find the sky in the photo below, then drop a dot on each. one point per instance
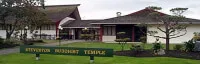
(103, 9)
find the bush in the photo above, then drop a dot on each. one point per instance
(123, 40)
(28, 42)
(8, 44)
(156, 47)
(178, 47)
(37, 41)
(1, 41)
(136, 49)
(189, 46)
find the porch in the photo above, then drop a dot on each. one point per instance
(109, 32)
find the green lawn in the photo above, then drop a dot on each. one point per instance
(50, 41)
(98, 45)
(65, 59)
(115, 46)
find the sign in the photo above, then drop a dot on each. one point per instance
(101, 52)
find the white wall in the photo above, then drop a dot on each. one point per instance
(3, 33)
(108, 38)
(190, 30)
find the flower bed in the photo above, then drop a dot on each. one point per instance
(149, 53)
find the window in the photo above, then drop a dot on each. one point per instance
(109, 31)
(48, 27)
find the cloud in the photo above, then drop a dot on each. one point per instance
(102, 9)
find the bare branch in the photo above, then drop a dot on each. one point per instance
(157, 36)
(160, 29)
(180, 35)
(178, 32)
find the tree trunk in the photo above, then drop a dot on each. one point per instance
(8, 36)
(167, 44)
(167, 36)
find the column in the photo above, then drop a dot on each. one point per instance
(133, 33)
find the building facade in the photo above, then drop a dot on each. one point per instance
(57, 14)
(107, 29)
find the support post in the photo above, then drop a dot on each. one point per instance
(37, 56)
(91, 59)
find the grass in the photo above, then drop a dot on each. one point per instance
(98, 45)
(61, 59)
(20, 58)
(114, 46)
(45, 42)
(50, 41)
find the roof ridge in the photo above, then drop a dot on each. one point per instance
(143, 10)
(63, 5)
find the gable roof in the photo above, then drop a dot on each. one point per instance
(59, 12)
(139, 17)
(56, 12)
(80, 24)
(133, 18)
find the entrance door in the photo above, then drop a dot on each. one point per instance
(139, 33)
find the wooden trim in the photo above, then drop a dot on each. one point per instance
(80, 27)
(100, 33)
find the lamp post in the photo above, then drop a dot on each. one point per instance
(60, 29)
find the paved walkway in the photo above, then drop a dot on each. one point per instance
(16, 49)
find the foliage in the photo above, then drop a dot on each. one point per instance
(157, 46)
(8, 43)
(136, 49)
(36, 41)
(87, 36)
(21, 13)
(16, 34)
(60, 59)
(178, 47)
(189, 46)
(172, 28)
(196, 36)
(122, 39)
(1, 41)
(143, 40)
(34, 35)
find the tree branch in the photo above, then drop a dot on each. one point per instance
(179, 35)
(156, 36)
(175, 34)
(161, 29)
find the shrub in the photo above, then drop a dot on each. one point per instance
(87, 36)
(9, 43)
(196, 36)
(1, 41)
(136, 49)
(189, 46)
(37, 40)
(28, 42)
(156, 47)
(178, 47)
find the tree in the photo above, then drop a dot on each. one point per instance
(16, 14)
(122, 39)
(173, 26)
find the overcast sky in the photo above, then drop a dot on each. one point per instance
(102, 9)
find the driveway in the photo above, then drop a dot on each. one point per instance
(16, 49)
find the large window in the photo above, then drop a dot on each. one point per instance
(48, 27)
(109, 31)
